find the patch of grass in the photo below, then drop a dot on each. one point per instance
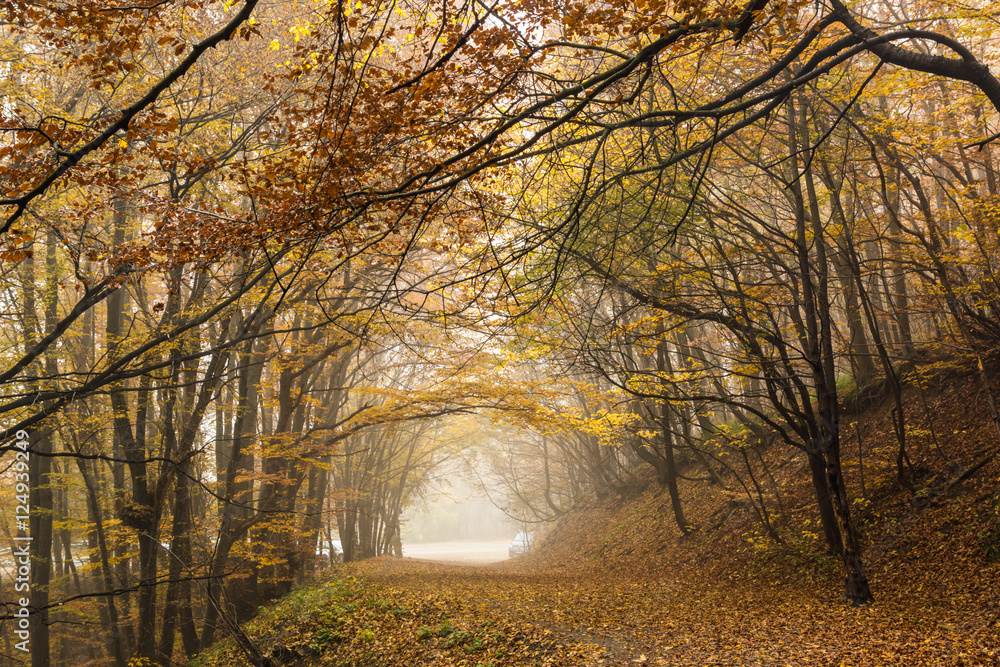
(847, 389)
(317, 617)
(445, 628)
(475, 645)
(323, 637)
(452, 637)
(457, 638)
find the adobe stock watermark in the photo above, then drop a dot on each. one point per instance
(22, 547)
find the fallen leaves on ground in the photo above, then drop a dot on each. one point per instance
(615, 584)
(406, 612)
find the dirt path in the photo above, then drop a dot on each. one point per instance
(610, 619)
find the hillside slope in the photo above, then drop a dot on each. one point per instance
(615, 583)
(942, 543)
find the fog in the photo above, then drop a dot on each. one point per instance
(458, 523)
(454, 511)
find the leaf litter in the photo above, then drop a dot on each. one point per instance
(616, 584)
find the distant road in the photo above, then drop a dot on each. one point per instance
(459, 552)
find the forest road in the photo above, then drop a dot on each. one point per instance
(461, 551)
(589, 616)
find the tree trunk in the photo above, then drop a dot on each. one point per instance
(670, 467)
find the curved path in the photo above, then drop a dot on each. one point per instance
(594, 617)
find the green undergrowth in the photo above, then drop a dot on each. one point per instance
(339, 621)
(350, 622)
(305, 623)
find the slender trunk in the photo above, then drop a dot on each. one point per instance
(41, 546)
(670, 467)
(900, 296)
(178, 558)
(815, 276)
(117, 643)
(238, 515)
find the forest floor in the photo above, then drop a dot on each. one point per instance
(615, 583)
(391, 611)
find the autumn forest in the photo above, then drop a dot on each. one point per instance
(267, 265)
